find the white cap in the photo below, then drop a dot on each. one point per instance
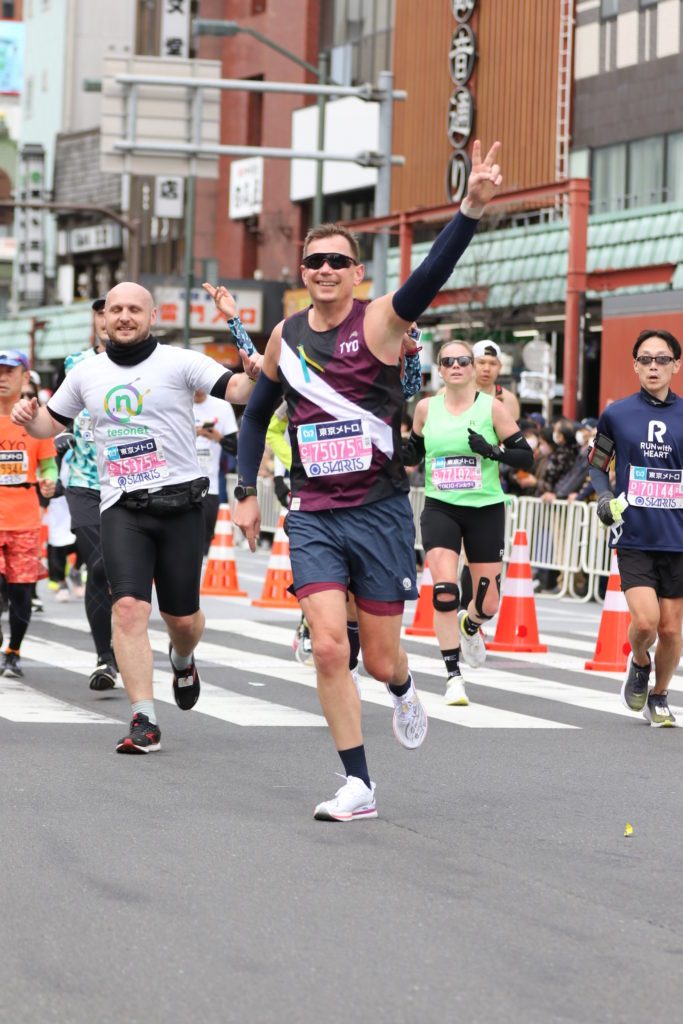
(486, 348)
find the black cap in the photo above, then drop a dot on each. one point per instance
(98, 304)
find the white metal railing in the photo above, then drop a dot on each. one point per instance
(564, 536)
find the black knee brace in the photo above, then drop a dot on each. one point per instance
(482, 590)
(452, 602)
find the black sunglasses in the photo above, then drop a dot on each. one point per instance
(659, 360)
(334, 260)
(28, 394)
(452, 360)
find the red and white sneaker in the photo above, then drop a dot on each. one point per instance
(143, 738)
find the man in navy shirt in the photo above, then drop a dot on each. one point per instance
(644, 433)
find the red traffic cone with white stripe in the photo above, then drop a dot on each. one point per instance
(517, 628)
(612, 648)
(220, 575)
(275, 593)
(423, 623)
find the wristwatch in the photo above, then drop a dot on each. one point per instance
(241, 492)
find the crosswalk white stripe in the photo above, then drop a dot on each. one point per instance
(215, 701)
(488, 677)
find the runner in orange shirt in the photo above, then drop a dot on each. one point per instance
(23, 460)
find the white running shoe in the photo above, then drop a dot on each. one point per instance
(410, 720)
(456, 695)
(353, 800)
(63, 595)
(356, 682)
(472, 647)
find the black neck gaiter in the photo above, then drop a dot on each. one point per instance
(129, 355)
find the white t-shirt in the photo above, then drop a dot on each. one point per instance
(220, 415)
(141, 416)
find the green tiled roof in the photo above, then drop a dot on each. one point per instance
(527, 265)
(68, 329)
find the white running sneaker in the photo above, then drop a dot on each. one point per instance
(410, 720)
(356, 682)
(62, 594)
(352, 800)
(472, 647)
(456, 695)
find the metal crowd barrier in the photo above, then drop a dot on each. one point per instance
(564, 537)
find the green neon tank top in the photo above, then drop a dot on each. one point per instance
(453, 473)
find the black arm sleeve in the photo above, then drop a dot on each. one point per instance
(218, 390)
(413, 297)
(264, 399)
(413, 450)
(229, 443)
(600, 479)
(516, 452)
(66, 420)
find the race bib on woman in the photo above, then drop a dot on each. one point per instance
(457, 473)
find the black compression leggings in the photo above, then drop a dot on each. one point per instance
(19, 595)
(97, 595)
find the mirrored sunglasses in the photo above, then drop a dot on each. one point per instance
(659, 360)
(334, 260)
(449, 361)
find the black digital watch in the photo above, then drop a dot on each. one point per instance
(241, 492)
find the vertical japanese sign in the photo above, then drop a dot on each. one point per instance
(169, 197)
(462, 58)
(175, 28)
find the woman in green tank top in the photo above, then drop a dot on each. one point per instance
(460, 432)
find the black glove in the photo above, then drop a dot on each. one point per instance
(480, 446)
(64, 442)
(282, 492)
(603, 508)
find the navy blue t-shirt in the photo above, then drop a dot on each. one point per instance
(648, 440)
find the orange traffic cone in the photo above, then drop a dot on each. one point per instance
(278, 574)
(612, 648)
(517, 628)
(220, 575)
(423, 623)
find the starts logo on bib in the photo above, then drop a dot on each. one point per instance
(123, 402)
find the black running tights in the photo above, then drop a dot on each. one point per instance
(97, 595)
(19, 597)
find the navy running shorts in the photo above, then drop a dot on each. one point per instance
(368, 548)
(481, 530)
(661, 570)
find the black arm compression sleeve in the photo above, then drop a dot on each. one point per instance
(218, 390)
(517, 452)
(413, 450)
(599, 478)
(413, 297)
(264, 399)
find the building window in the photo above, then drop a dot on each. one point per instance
(674, 168)
(358, 36)
(648, 3)
(8, 9)
(646, 171)
(609, 8)
(609, 178)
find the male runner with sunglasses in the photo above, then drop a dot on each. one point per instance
(350, 524)
(644, 434)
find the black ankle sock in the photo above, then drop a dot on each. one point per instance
(469, 627)
(645, 668)
(354, 643)
(355, 764)
(399, 691)
(452, 661)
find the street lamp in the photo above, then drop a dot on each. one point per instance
(227, 29)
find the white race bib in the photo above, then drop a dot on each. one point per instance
(13, 467)
(334, 447)
(135, 463)
(457, 473)
(655, 488)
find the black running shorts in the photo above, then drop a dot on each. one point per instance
(661, 570)
(481, 530)
(140, 548)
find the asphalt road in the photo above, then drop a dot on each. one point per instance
(495, 886)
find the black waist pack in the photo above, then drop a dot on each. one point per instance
(167, 501)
